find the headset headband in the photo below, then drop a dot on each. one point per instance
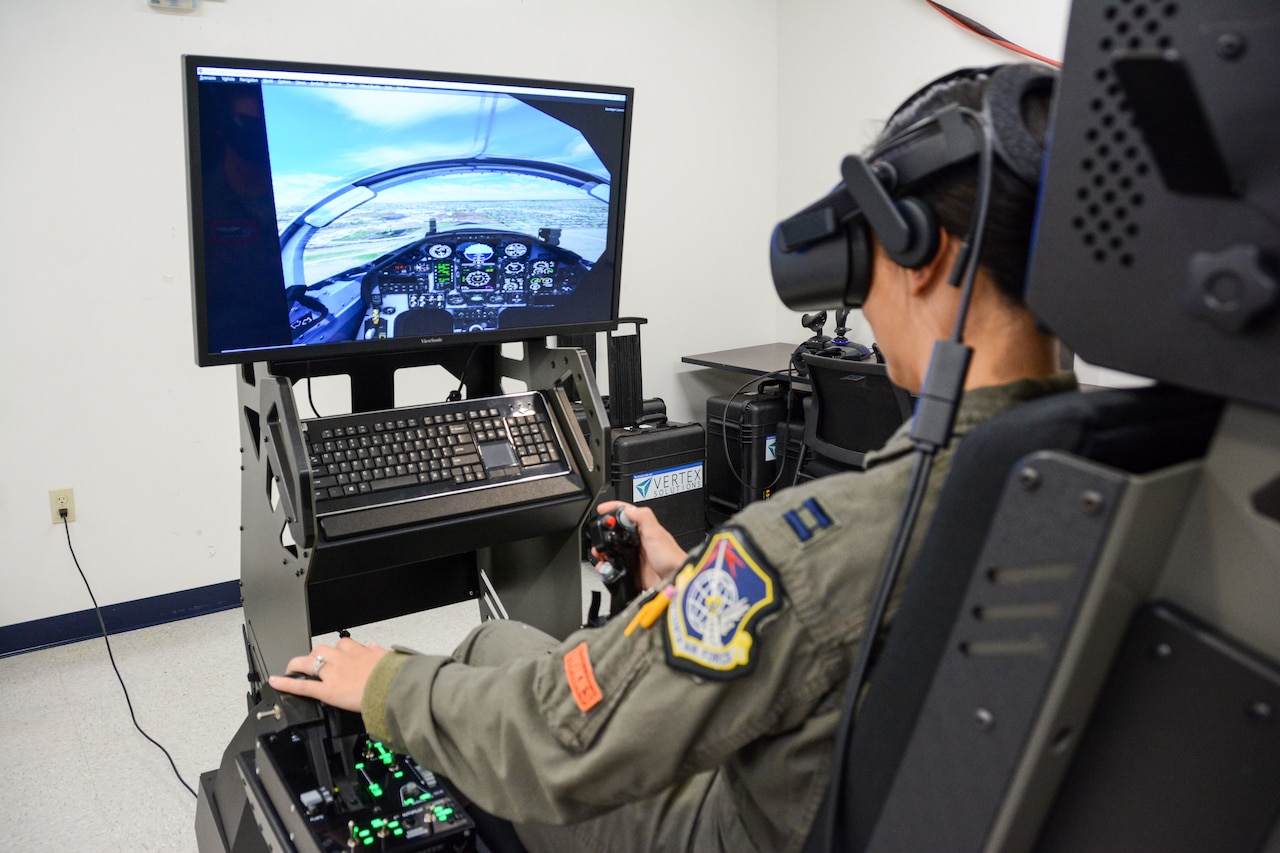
(822, 255)
(946, 138)
(929, 146)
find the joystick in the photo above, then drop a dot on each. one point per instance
(842, 327)
(817, 343)
(841, 346)
(814, 323)
(614, 537)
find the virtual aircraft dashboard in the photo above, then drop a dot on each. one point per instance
(458, 281)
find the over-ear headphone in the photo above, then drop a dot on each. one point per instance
(821, 256)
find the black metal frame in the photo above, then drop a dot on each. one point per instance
(970, 741)
(298, 582)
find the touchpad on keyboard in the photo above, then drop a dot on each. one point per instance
(497, 454)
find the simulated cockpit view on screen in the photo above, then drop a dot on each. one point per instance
(349, 207)
(437, 229)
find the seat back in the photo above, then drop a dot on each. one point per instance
(1136, 430)
(853, 409)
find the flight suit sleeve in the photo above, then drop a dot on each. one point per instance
(601, 720)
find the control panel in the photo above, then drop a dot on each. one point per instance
(338, 793)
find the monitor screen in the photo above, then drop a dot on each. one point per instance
(337, 211)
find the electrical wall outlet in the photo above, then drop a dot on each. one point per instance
(60, 499)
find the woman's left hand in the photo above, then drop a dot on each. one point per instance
(337, 673)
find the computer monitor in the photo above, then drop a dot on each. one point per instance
(338, 211)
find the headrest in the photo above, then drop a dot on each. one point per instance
(1158, 245)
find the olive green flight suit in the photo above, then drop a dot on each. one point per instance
(724, 746)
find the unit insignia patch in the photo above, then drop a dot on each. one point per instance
(719, 601)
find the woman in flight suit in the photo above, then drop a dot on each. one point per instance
(703, 717)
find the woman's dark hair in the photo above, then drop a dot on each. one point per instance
(951, 192)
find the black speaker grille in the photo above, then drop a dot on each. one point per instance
(1117, 165)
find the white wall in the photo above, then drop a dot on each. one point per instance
(101, 393)
(743, 111)
(844, 65)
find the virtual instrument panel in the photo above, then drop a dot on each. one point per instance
(458, 281)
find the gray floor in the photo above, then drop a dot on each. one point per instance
(80, 776)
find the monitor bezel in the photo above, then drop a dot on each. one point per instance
(346, 351)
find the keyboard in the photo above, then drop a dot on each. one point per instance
(432, 453)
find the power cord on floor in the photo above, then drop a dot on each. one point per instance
(103, 625)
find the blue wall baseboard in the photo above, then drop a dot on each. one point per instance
(126, 616)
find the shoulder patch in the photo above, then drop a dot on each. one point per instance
(719, 601)
(808, 520)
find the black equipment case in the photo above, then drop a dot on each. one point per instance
(661, 467)
(750, 451)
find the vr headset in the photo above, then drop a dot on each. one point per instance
(821, 256)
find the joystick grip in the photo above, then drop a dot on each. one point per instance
(616, 540)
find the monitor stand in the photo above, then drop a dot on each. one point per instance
(523, 563)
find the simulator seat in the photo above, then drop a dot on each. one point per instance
(1010, 619)
(1085, 654)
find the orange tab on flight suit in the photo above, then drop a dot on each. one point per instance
(582, 679)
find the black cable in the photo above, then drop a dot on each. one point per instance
(924, 451)
(310, 402)
(779, 459)
(456, 394)
(964, 273)
(972, 246)
(103, 625)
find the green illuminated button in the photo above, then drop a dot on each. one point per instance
(375, 789)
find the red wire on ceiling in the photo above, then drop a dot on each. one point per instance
(973, 26)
